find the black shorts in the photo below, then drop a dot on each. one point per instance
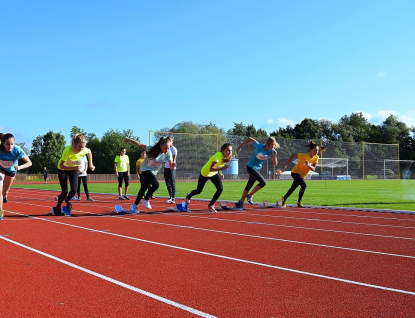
(8, 173)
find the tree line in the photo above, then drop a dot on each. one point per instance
(47, 149)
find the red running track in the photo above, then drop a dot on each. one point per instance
(255, 263)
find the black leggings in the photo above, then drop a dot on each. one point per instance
(84, 180)
(298, 181)
(170, 179)
(254, 175)
(63, 176)
(123, 176)
(148, 182)
(216, 180)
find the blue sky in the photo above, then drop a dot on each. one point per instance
(148, 65)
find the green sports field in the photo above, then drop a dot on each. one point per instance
(370, 194)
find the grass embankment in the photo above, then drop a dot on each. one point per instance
(371, 194)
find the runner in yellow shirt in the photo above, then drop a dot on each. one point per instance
(68, 167)
(122, 171)
(212, 171)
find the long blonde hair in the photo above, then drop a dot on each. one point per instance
(78, 138)
(270, 140)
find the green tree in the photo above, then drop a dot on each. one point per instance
(105, 150)
(354, 128)
(46, 152)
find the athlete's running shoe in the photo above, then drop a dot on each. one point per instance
(5, 200)
(187, 199)
(146, 204)
(120, 198)
(126, 197)
(1, 214)
(69, 206)
(89, 199)
(134, 208)
(57, 211)
(212, 208)
(250, 198)
(239, 205)
(300, 204)
(284, 202)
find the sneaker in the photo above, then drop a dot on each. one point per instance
(134, 208)
(249, 199)
(152, 197)
(126, 197)
(89, 199)
(212, 208)
(75, 198)
(173, 200)
(69, 207)
(1, 214)
(120, 198)
(57, 211)
(187, 199)
(79, 198)
(146, 204)
(168, 201)
(284, 202)
(300, 204)
(5, 200)
(239, 205)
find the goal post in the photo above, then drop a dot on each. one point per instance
(398, 169)
(338, 167)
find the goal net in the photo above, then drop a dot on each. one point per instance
(398, 169)
(330, 168)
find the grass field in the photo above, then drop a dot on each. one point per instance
(371, 194)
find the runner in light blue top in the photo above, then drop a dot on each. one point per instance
(156, 156)
(261, 154)
(9, 165)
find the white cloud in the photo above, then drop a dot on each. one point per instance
(380, 75)
(378, 118)
(273, 124)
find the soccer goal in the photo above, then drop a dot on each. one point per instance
(398, 169)
(330, 168)
(334, 168)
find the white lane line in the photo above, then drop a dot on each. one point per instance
(114, 281)
(303, 211)
(298, 227)
(275, 239)
(262, 223)
(238, 259)
(250, 235)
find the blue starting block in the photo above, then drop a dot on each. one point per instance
(118, 209)
(65, 211)
(182, 207)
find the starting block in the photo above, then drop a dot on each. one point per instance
(64, 211)
(118, 209)
(224, 207)
(180, 207)
(266, 205)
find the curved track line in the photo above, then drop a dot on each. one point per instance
(114, 281)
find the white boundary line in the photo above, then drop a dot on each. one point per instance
(235, 259)
(114, 281)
